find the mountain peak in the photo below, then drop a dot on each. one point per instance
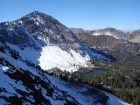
(34, 16)
(36, 13)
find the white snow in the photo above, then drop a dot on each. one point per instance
(30, 98)
(37, 87)
(9, 84)
(3, 102)
(6, 23)
(37, 23)
(52, 101)
(109, 34)
(53, 56)
(5, 68)
(20, 22)
(106, 33)
(96, 34)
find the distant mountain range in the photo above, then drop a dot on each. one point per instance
(124, 46)
(133, 36)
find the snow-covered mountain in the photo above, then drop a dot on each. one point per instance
(40, 38)
(38, 42)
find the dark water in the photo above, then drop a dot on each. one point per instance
(90, 73)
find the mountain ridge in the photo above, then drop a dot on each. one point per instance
(132, 36)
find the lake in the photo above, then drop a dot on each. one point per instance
(89, 73)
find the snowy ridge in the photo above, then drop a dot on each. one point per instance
(106, 33)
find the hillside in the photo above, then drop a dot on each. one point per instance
(23, 83)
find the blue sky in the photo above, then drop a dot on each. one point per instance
(86, 14)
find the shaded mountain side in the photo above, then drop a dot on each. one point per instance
(127, 54)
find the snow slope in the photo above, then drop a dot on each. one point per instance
(84, 99)
(32, 81)
(106, 33)
(9, 88)
(52, 56)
